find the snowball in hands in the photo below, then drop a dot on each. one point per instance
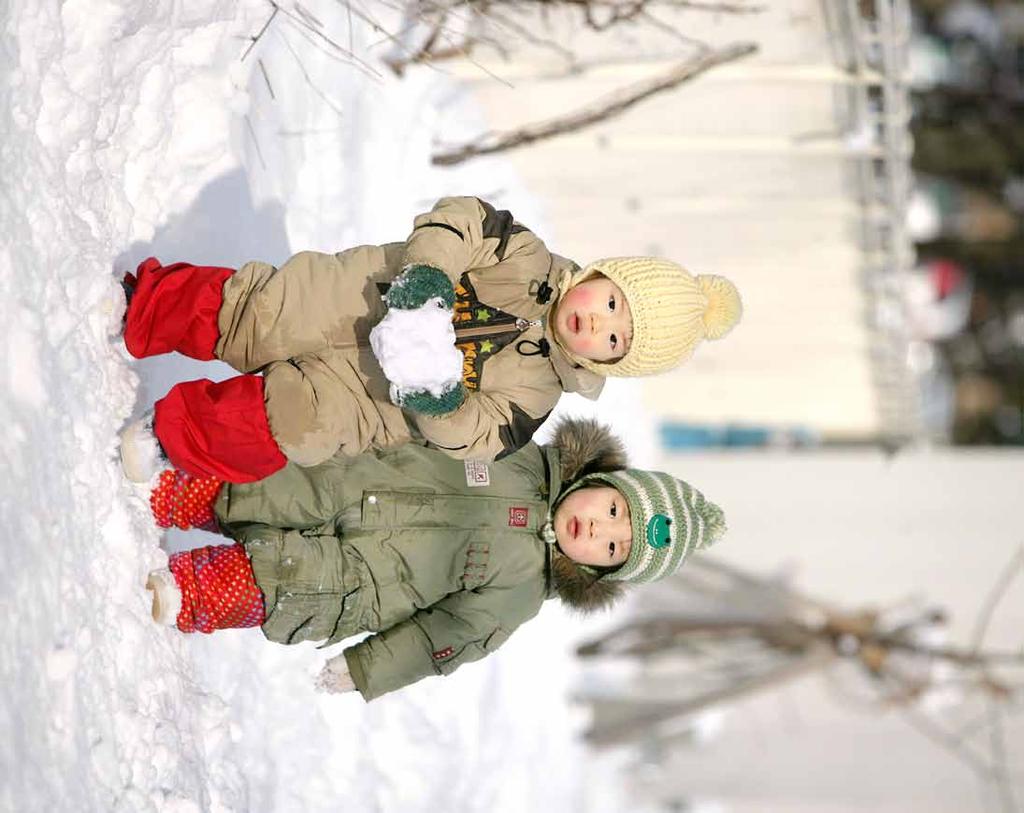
(416, 350)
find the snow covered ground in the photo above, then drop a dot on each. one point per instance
(132, 129)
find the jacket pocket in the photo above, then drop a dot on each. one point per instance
(297, 617)
(448, 660)
(496, 639)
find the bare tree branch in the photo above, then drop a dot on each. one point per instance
(530, 37)
(1000, 773)
(261, 32)
(266, 78)
(602, 110)
(1012, 570)
(305, 75)
(673, 32)
(315, 35)
(623, 8)
(946, 740)
(462, 50)
(811, 661)
(255, 141)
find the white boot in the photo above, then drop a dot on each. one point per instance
(141, 455)
(166, 596)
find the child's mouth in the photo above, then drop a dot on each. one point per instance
(574, 527)
(574, 323)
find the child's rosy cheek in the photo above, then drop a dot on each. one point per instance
(586, 299)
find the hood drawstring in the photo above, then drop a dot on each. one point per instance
(547, 532)
(538, 348)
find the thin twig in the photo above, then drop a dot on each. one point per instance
(686, 5)
(351, 33)
(266, 78)
(340, 51)
(457, 49)
(444, 11)
(255, 141)
(947, 740)
(337, 53)
(256, 39)
(718, 8)
(995, 595)
(672, 31)
(1000, 774)
(307, 77)
(532, 38)
(307, 15)
(376, 26)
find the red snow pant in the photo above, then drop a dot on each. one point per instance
(207, 429)
(218, 590)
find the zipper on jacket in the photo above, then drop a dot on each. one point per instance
(519, 325)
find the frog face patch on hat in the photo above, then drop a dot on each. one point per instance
(659, 533)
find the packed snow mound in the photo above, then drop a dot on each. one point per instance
(133, 130)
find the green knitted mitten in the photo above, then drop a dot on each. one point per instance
(417, 284)
(423, 402)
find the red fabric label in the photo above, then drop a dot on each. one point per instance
(518, 517)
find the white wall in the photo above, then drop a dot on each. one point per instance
(739, 173)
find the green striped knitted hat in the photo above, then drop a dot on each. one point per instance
(670, 519)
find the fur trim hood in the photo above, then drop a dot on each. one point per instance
(585, 447)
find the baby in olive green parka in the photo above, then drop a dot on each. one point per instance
(442, 560)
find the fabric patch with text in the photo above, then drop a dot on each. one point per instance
(518, 517)
(477, 474)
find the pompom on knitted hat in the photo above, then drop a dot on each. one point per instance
(672, 311)
(670, 520)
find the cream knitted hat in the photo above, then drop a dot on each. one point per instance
(672, 312)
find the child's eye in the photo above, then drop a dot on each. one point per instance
(611, 549)
(611, 303)
(614, 341)
(615, 510)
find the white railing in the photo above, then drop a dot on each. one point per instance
(872, 44)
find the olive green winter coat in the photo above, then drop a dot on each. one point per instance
(441, 559)
(306, 326)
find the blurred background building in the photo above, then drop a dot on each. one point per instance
(861, 175)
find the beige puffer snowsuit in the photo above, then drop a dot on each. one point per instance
(306, 326)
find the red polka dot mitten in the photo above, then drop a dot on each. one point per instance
(182, 501)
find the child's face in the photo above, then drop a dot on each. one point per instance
(593, 320)
(592, 526)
